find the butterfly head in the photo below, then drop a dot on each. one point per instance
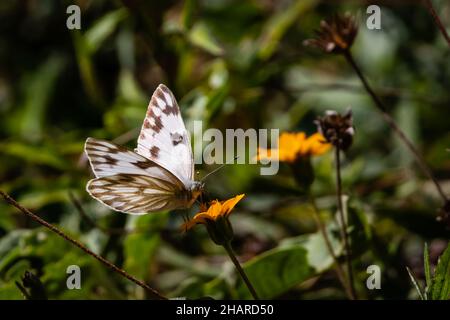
(197, 188)
(194, 191)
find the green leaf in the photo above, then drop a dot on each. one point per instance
(319, 257)
(40, 198)
(34, 154)
(139, 250)
(141, 246)
(9, 247)
(7, 221)
(86, 68)
(415, 283)
(440, 287)
(87, 44)
(426, 263)
(276, 271)
(170, 256)
(201, 36)
(10, 291)
(103, 28)
(128, 88)
(38, 90)
(278, 25)
(187, 14)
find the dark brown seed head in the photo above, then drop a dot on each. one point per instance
(337, 129)
(335, 35)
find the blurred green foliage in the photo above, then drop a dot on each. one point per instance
(232, 64)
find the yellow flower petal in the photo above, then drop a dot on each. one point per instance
(202, 217)
(228, 205)
(292, 146)
(214, 211)
(317, 145)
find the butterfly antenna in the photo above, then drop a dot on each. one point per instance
(217, 169)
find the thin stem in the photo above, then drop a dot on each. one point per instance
(344, 233)
(155, 294)
(437, 20)
(391, 122)
(340, 273)
(241, 271)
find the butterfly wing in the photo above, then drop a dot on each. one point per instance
(164, 138)
(135, 194)
(128, 182)
(107, 159)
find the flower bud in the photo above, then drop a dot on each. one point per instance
(220, 230)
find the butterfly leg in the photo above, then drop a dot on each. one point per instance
(186, 217)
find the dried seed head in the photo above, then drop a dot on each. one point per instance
(335, 35)
(337, 129)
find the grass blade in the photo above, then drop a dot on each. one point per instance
(426, 263)
(415, 283)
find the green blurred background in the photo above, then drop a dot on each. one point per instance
(231, 64)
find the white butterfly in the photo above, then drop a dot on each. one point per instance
(158, 175)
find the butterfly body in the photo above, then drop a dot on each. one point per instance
(190, 194)
(158, 175)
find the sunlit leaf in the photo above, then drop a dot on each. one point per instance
(276, 271)
(318, 255)
(440, 288)
(278, 24)
(103, 28)
(200, 35)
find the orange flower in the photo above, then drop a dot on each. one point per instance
(292, 146)
(215, 218)
(216, 210)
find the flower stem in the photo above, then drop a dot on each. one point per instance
(241, 271)
(155, 294)
(437, 20)
(344, 233)
(391, 122)
(340, 273)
